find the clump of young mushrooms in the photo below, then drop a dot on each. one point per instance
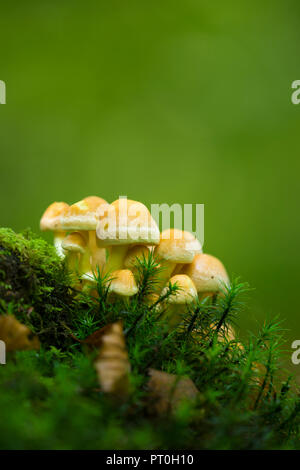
(97, 237)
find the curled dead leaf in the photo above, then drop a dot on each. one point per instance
(112, 364)
(15, 335)
(94, 341)
(168, 391)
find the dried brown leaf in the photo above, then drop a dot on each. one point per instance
(95, 339)
(168, 391)
(112, 364)
(15, 335)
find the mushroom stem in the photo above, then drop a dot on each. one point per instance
(58, 238)
(178, 269)
(92, 240)
(113, 298)
(85, 261)
(116, 258)
(72, 259)
(174, 314)
(168, 268)
(98, 254)
(134, 256)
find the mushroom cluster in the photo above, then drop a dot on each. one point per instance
(94, 235)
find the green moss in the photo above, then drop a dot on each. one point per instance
(55, 390)
(35, 286)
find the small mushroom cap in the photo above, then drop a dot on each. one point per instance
(52, 216)
(74, 242)
(126, 222)
(230, 333)
(177, 246)
(186, 293)
(227, 333)
(89, 276)
(134, 253)
(83, 215)
(207, 273)
(123, 283)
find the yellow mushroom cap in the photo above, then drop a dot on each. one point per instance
(123, 283)
(83, 215)
(74, 242)
(186, 293)
(177, 246)
(139, 251)
(207, 273)
(52, 216)
(126, 222)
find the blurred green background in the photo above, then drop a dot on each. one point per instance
(164, 101)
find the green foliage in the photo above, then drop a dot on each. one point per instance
(148, 270)
(35, 286)
(50, 399)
